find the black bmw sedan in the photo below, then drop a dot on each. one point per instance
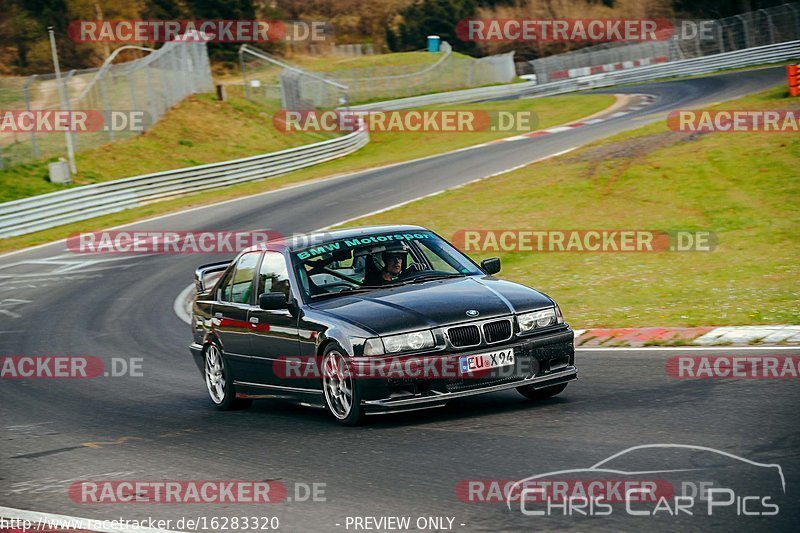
(372, 320)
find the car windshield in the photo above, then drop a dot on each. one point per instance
(370, 262)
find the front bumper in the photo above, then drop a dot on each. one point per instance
(439, 399)
(543, 361)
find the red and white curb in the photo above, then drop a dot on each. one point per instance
(750, 334)
(644, 100)
(784, 335)
(581, 72)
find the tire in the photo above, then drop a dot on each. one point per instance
(342, 396)
(540, 394)
(219, 380)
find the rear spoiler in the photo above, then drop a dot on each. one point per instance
(206, 275)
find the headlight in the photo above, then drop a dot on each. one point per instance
(373, 347)
(538, 319)
(559, 316)
(417, 340)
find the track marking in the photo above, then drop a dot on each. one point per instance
(182, 304)
(559, 129)
(256, 195)
(689, 348)
(100, 444)
(12, 302)
(400, 204)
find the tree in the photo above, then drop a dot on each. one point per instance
(433, 17)
(222, 10)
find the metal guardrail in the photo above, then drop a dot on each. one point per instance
(80, 203)
(688, 67)
(48, 210)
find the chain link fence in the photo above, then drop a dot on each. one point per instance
(151, 84)
(267, 78)
(748, 30)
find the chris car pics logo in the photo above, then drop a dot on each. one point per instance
(702, 481)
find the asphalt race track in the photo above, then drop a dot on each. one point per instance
(162, 425)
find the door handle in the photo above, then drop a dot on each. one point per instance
(254, 320)
(217, 315)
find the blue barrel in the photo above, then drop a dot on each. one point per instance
(434, 41)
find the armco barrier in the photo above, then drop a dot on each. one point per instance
(701, 65)
(49, 210)
(54, 209)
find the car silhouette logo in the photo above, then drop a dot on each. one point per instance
(608, 467)
(473, 312)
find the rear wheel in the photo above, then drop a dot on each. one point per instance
(540, 394)
(342, 397)
(219, 380)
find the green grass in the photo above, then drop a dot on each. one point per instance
(742, 186)
(330, 64)
(197, 131)
(383, 149)
(373, 78)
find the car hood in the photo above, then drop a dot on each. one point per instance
(432, 303)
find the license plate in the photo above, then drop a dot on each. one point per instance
(485, 361)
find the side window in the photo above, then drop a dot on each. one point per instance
(224, 287)
(273, 276)
(241, 287)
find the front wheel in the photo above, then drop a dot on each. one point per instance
(219, 380)
(540, 394)
(342, 397)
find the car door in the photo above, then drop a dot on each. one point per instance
(274, 337)
(233, 301)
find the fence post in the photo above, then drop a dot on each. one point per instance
(243, 68)
(69, 106)
(189, 66)
(60, 87)
(132, 89)
(165, 88)
(771, 26)
(106, 110)
(745, 31)
(26, 89)
(151, 97)
(796, 20)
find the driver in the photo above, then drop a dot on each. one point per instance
(392, 265)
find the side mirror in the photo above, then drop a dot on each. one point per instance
(271, 301)
(491, 265)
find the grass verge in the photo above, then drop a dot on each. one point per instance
(199, 130)
(741, 186)
(383, 149)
